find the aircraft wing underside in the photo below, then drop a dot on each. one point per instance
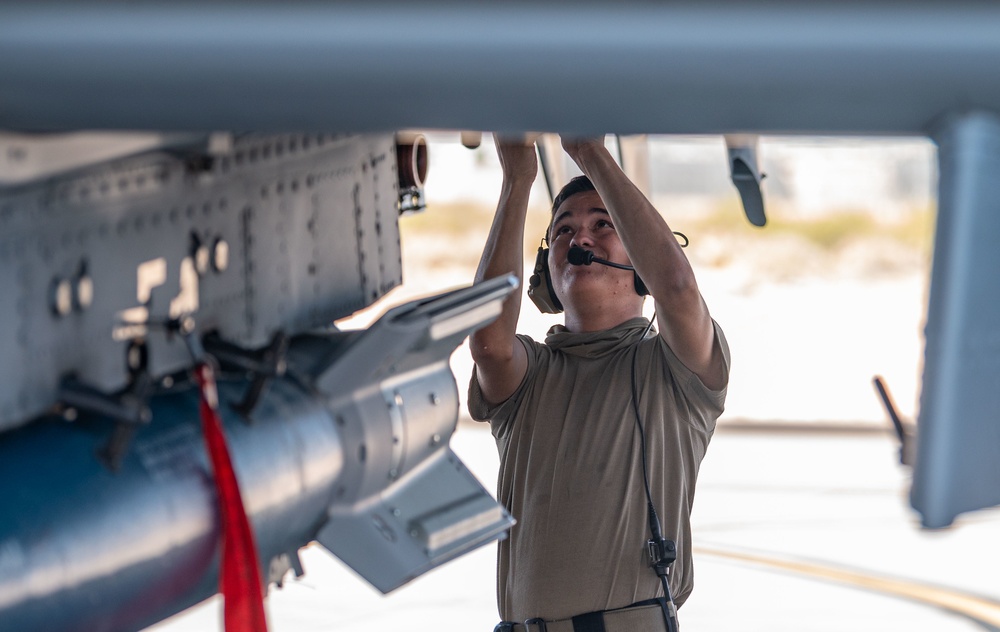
(774, 67)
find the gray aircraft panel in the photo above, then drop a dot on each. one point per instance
(307, 223)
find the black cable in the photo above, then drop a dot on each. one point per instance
(638, 422)
(669, 612)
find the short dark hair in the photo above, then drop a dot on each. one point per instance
(579, 184)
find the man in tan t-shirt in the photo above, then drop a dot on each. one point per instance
(576, 470)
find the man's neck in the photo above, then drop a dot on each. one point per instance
(599, 318)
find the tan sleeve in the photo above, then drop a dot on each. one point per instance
(691, 385)
(482, 410)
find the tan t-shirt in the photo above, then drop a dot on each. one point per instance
(571, 470)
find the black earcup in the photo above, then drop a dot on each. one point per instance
(640, 287)
(540, 285)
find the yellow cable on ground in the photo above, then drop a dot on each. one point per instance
(980, 609)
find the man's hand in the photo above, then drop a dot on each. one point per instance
(517, 156)
(578, 145)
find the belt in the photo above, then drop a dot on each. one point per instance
(644, 615)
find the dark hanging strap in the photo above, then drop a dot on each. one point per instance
(590, 622)
(240, 580)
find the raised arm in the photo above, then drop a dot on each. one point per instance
(500, 359)
(683, 316)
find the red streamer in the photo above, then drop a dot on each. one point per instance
(240, 579)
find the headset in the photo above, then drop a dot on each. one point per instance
(540, 282)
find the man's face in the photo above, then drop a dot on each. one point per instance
(582, 220)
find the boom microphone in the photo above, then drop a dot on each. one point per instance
(579, 257)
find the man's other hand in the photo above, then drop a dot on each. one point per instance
(517, 156)
(574, 146)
